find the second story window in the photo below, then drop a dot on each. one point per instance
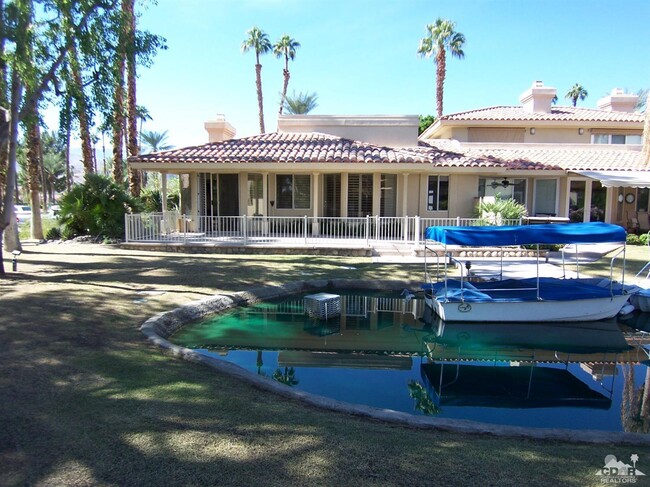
(615, 139)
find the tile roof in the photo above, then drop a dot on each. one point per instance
(315, 148)
(558, 113)
(565, 157)
(309, 147)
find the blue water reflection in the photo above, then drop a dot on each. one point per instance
(390, 352)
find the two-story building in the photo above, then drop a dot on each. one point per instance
(571, 162)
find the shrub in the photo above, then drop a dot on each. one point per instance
(151, 200)
(633, 239)
(495, 212)
(96, 207)
(643, 239)
(53, 233)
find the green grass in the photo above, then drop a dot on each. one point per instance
(24, 229)
(86, 400)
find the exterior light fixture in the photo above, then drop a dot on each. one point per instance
(581, 131)
(14, 261)
(532, 131)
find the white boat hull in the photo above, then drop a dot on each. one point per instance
(528, 311)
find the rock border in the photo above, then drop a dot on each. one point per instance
(159, 327)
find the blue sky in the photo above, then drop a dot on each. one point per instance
(360, 56)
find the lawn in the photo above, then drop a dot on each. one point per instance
(86, 400)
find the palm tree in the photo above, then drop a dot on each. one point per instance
(286, 47)
(259, 42)
(135, 177)
(441, 37)
(301, 103)
(155, 141)
(576, 92)
(646, 135)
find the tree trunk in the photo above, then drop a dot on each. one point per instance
(646, 134)
(82, 112)
(441, 68)
(33, 169)
(260, 100)
(135, 178)
(287, 75)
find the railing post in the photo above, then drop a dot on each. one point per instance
(184, 222)
(406, 229)
(376, 228)
(416, 236)
(244, 229)
(126, 227)
(367, 230)
(304, 230)
(458, 221)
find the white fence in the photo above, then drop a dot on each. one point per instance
(243, 230)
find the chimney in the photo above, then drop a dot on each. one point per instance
(219, 130)
(618, 101)
(538, 98)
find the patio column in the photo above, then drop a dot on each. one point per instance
(344, 195)
(315, 200)
(405, 190)
(163, 191)
(587, 213)
(376, 194)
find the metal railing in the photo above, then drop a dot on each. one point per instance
(172, 227)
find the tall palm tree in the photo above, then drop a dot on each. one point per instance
(576, 92)
(135, 177)
(259, 42)
(155, 141)
(301, 103)
(646, 134)
(286, 47)
(441, 37)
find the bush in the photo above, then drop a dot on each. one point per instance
(632, 239)
(96, 207)
(151, 200)
(53, 233)
(643, 238)
(495, 212)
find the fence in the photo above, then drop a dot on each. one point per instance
(244, 230)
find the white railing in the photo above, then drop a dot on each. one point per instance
(245, 230)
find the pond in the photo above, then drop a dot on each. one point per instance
(388, 351)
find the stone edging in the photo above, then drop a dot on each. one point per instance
(159, 327)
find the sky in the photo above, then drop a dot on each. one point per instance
(360, 56)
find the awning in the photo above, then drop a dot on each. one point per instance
(619, 179)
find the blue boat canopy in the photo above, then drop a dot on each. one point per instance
(497, 236)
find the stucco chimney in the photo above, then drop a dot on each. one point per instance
(618, 101)
(219, 130)
(538, 98)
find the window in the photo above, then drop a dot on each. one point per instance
(515, 189)
(293, 191)
(545, 197)
(438, 193)
(359, 195)
(255, 194)
(388, 195)
(615, 139)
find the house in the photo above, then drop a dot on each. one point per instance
(597, 151)
(558, 161)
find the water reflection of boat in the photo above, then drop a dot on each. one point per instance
(520, 365)
(510, 387)
(578, 337)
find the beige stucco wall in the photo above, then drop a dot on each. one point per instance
(383, 130)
